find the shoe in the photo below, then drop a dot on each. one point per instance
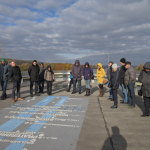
(37, 94)
(86, 92)
(101, 93)
(114, 107)
(20, 99)
(13, 100)
(144, 115)
(111, 99)
(31, 95)
(123, 102)
(2, 98)
(68, 90)
(79, 92)
(42, 92)
(73, 92)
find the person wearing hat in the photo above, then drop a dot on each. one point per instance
(41, 77)
(33, 72)
(144, 78)
(122, 84)
(4, 76)
(115, 84)
(129, 80)
(109, 71)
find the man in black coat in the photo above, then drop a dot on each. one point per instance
(41, 78)
(33, 72)
(15, 76)
(122, 84)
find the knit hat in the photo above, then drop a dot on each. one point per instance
(3, 59)
(42, 63)
(111, 62)
(123, 60)
(114, 66)
(34, 61)
(128, 63)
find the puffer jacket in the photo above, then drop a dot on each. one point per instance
(33, 72)
(4, 71)
(41, 73)
(109, 71)
(15, 74)
(115, 79)
(49, 75)
(122, 74)
(130, 76)
(144, 78)
(87, 71)
(100, 73)
(77, 71)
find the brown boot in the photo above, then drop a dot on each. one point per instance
(86, 92)
(20, 99)
(13, 101)
(101, 93)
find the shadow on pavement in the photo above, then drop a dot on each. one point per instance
(117, 141)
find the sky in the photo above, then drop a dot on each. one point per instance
(66, 30)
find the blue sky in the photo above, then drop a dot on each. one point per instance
(63, 31)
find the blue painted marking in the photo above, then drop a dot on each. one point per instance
(35, 127)
(61, 102)
(49, 112)
(45, 101)
(15, 146)
(1, 137)
(22, 139)
(24, 115)
(11, 125)
(40, 122)
(30, 110)
(47, 116)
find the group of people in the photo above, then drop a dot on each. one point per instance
(125, 77)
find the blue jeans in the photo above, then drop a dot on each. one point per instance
(110, 91)
(41, 88)
(87, 83)
(74, 85)
(124, 91)
(131, 94)
(4, 86)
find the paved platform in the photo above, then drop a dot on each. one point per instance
(102, 128)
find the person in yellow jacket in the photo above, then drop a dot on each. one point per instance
(100, 77)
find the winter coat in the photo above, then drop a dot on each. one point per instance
(41, 73)
(122, 74)
(33, 72)
(100, 74)
(144, 78)
(109, 71)
(77, 71)
(49, 75)
(4, 71)
(115, 79)
(15, 74)
(87, 71)
(130, 76)
(1, 71)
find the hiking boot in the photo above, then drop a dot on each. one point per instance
(86, 92)
(79, 92)
(20, 99)
(73, 92)
(101, 93)
(13, 100)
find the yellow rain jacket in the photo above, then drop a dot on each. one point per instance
(100, 74)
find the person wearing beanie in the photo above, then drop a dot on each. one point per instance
(122, 84)
(115, 84)
(100, 77)
(4, 76)
(33, 72)
(41, 77)
(129, 80)
(109, 71)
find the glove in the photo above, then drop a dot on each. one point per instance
(113, 88)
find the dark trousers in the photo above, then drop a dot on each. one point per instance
(147, 105)
(4, 86)
(74, 85)
(131, 94)
(41, 88)
(16, 85)
(71, 82)
(49, 87)
(115, 97)
(31, 87)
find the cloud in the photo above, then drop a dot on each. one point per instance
(62, 31)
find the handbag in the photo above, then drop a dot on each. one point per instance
(105, 81)
(140, 93)
(92, 77)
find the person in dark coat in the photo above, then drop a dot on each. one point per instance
(144, 78)
(15, 76)
(122, 84)
(41, 78)
(33, 72)
(87, 72)
(115, 84)
(77, 72)
(109, 71)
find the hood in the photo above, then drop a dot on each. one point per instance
(87, 64)
(77, 61)
(147, 65)
(48, 67)
(99, 64)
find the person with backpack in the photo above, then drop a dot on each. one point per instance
(49, 77)
(87, 73)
